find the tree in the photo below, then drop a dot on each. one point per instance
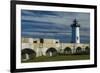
(67, 50)
(78, 50)
(87, 50)
(51, 52)
(27, 54)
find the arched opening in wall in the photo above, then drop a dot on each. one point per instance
(67, 50)
(27, 54)
(51, 52)
(87, 50)
(78, 50)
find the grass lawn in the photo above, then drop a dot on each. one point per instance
(59, 58)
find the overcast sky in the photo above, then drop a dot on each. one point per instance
(54, 24)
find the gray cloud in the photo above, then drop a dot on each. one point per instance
(41, 22)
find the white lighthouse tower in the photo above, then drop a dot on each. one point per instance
(75, 32)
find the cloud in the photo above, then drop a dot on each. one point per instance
(64, 18)
(53, 24)
(37, 13)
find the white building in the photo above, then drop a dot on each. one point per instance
(75, 32)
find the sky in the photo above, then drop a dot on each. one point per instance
(54, 25)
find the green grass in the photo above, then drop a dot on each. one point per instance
(59, 58)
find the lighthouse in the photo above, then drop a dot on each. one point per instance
(75, 32)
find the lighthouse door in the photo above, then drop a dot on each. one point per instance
(77, 37)
(41, 40)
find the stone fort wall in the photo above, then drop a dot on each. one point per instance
(41, 48)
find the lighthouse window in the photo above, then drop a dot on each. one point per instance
(34, 41)
(56, 41)
(41, 40)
